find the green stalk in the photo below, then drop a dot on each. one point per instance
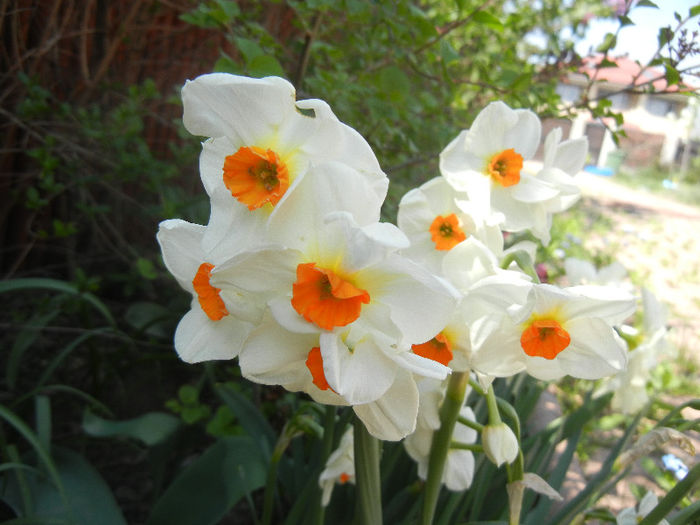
(449, 412)
(328, 434)
(368, 504)
(269, 499)
(676, 494)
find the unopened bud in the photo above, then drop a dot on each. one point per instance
(500, 443)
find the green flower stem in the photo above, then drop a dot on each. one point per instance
(368, 504)
(494, 415)
(676, 494)
(471, 424)
(328, 434)
(466, 446)
(477, 388)
(449, 412)
(269, 499)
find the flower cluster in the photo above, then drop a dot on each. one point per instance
(297, 277)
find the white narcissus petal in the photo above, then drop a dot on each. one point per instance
(180, 244)
(263, 270)
(284, 313)
(487, 135)
(579, 271)
(524, 136)
(421, 366)
(467, 263)
(605, 302)
(596, 350)
(242, 108)
(532, 190)
(211, 164)
(198, 338)
(393, 416)
(325, 188)
(571, 155)
(360, 374)
(497, 352)
(275, 356)
(232, 229)
(420, 303)
(457, 158)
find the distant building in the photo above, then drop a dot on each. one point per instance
(659, 126)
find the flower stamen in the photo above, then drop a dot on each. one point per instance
(255, 176)
(325, 299)
(544, 338)
(446, 232)
(504, 167)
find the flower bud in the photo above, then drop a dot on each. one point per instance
(500, 443)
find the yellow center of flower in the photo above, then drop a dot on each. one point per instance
(504, 167)
(256, 176)
(544, 338)
(438, 349)
(314, 362)
(326, 299)
(446, 232)
(209, 298)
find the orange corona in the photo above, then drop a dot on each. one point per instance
(504, 167)
(438, 349)
(209, 298)
(314, 362)
(544, 338)
(256, 176)
(446, 233)
(325, 299)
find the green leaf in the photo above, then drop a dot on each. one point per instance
(225, 64)
(625, 21)
(646, 3)
(212, 484)
(146, 268)
(694, 11)
(609, 42)
(151, 428)
(151, 318)
(55, 285)
(248, 48)
(88, 499)
(250, 418)
(487, 19)
(672, 75)
(664, 36)
(265, 66)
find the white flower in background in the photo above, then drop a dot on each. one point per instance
(217, 323)
(487, 162)
(459, 467)
(262, 145)
(579, 271)
(562, 161)
(436, 218)
(500, 443)
(558, 332)
(629, 386)
(632, 516)
(340, 467)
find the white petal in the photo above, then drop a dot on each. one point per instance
(241, 108)
(263, 270)
(421, 366)
(605, 302)
(275, 356)
(531, 190)
(361, 374)
(595, 351)
(180, 243)
(198, 338)
(459, 470)
(571, 155)
(285, 314)
(393, 416)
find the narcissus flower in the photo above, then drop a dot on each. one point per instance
(262, 145)
(436, 218)
(488, 162)
(558, 332)
(217, 323)
(340, 467)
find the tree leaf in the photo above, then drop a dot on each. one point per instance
(211, 485)
(487, 19)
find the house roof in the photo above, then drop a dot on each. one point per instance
(627, 70)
